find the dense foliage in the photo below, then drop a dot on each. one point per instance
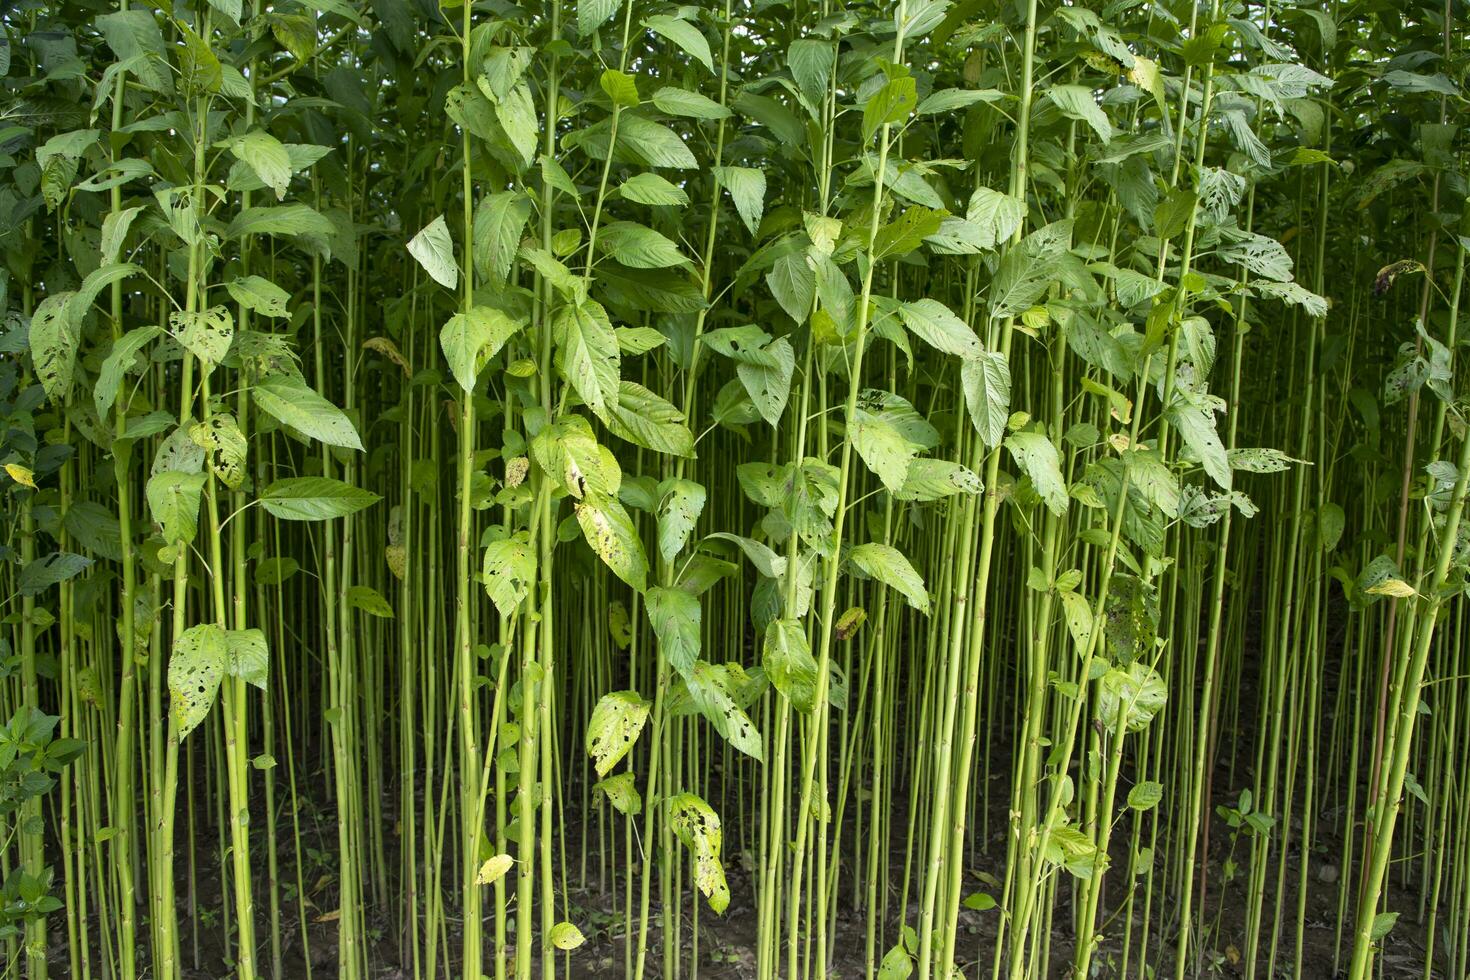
(796, 489)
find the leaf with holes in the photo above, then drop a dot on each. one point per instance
(610, 531)
(616, 722)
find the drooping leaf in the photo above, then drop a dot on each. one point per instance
(434, 250)
(675, 615)
(787, 658)
(610, 531)
(1040, 461)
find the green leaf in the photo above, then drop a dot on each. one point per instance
(499, 220)
(135, 38)
(620, 87)
(1196, 423)
(747, 187)
(1077, 102)
(516, 112)
(888, 565)
(616, 723)
(434, 250)
(1040, 461)
(1383, 924)
(685, 35)
(290, 220)
(645, 419)
(314, 498)
(610, 531)
(274, 571)
(369, 600)
(890, 104)
(264, 154)
(200, 72)
(643, 141)
(764, 366)
(675, 615)
(471, 338)
(788, 662)
(1173, 213)
(950, 99)
(115, 231)
(679, 505)
(638, 246)
(509, 572)
(588, 353)
(682, 102)
(259, 296)
(986, 380)
(39, 574)
(650, 188)
(940, 328)
(54, 337)
(882, 447)
(291, 402)
(173, 501)
(811, 62)
(592, 14)
(116, 365)
(247, 656)
(793, 283)
(1028, 269)
(907, 232)
(996, 215)
(1145, 795)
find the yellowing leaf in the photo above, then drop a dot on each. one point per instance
(21, 475)
(494, 869)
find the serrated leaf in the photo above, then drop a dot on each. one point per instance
(1040, 461)
(675, 615)
(882, 447)
(291, 402)
(680, 503)
(471, 338)
(510, 571)
(493, 869)
(747, 187)
(610, 532)
(434, 250)
(616, 722)
(314, 498)
(264, 154)
(787, 658)
(938, 327)
(259, 296)
(589, 357)
(888, 565)
(646, 419)
(685, 35)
